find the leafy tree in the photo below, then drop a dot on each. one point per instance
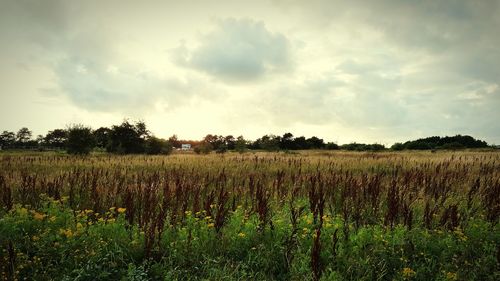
(156, 145)
(301, 143)
(287, 141)
(269, 142)
(398, 146)
(315, 143)
(40, 139)
(56, 138)
(174, 141)
(7, 139)
(80, 139)
(230, 142)
(215, 141)
(127, 138)
(23, 135)
(240, 145)
(101, 136)
(332, 146)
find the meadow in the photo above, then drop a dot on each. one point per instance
(316, 215)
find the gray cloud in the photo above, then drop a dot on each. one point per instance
(238, 50)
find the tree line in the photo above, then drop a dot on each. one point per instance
(125, 138)
(134, 137)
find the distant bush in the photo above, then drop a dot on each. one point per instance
(203, 148)
(332, 146)
(363, 147)
(156, 145)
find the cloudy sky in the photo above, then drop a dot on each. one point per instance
(366, 71)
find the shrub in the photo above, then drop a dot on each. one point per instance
(156, 145)
(203, 148)
(80, 139)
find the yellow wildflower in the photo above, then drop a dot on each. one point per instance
(38, 216)
(451, 276)
(408, 272)
(121, 210)
(241, 234)
(23, 211)
(210, 225)
(66, 232)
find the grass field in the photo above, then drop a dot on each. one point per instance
(256, 216)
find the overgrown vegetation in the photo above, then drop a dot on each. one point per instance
(268, 216)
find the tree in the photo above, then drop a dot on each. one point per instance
(287, 141)
(332, 146)
(270, 142)
(156, 145)
(174, 141)
(398, 146)
(127, 138)
(101, 136)
(240, 145)
(230, 142)
(23, 135)
(7, 139)
(301, 143)
(56, 138)
(80, 139)
(315, 143)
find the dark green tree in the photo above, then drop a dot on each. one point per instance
(156, 145)
(80, 140)
(56, 138)
(23, 135)
(127, 138)
(7, 139)
(102, 136)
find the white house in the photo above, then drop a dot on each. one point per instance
(185, 146)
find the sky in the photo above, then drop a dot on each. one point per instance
(365, 71)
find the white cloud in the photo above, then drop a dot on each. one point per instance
(238, 50)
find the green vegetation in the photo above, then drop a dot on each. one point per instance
(135, 138)
(267, 216)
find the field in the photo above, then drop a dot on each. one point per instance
(254, 216)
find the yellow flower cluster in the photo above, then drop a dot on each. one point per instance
(451, 276)
(66, 232)
(38, 216)
(408, 272)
